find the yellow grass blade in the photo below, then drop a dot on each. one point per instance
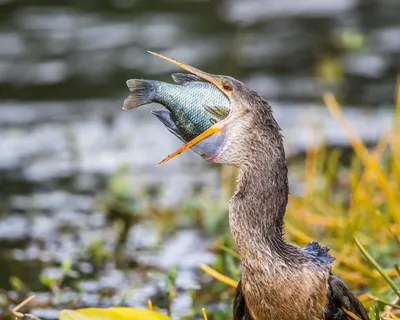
(395, 145)
(204, 314)
(389, 308)
(384, 301)
(391, 315)
(362, 152)
(219, 276)
(337, 114)
(350, 314)
(361, 187)
(19, 314)
(119, 313)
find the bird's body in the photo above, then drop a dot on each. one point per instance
(280, 281)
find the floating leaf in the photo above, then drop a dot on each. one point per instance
(119, 313)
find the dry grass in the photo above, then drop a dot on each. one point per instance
(368, 207)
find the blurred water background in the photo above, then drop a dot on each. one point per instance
(63, 67)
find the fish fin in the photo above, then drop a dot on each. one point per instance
(142, 93)
(165, 117)
(218, 111)
(184, 79)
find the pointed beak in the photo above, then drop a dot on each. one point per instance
(215, 80)
(210, 131)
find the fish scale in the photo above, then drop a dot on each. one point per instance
(193, 105)
(188, 105)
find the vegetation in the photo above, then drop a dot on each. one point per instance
(350, 202)
(354, 209)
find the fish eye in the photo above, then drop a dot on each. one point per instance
(227, 85)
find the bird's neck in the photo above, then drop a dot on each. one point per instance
(258, 207)
(270, 266)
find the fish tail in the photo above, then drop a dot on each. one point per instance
(142, 93)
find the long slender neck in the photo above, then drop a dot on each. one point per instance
(258, 207)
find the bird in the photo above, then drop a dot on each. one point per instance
(279, 280)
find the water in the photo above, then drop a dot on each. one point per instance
(63, 134)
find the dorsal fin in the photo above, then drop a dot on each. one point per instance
(184, 78)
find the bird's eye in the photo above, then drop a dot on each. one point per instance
(227, 85)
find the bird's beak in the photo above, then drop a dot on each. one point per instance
(210, 131)
(216, 81)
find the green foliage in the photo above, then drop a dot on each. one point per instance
(352, 39)
(170, 285)
(97, 253)
(378, 268)
(17, 284)
(47, 281)
(206, 211)
(55, 283)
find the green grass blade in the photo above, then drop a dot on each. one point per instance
(397, 267)
(230, 251)
(377, 267)
(385, 302)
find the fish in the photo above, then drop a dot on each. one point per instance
(192, 106)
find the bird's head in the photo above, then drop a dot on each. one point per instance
(249, 123)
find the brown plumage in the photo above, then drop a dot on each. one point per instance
(280, 281)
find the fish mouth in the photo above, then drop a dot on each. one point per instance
(214, 129)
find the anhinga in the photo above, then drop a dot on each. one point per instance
(279, 280)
